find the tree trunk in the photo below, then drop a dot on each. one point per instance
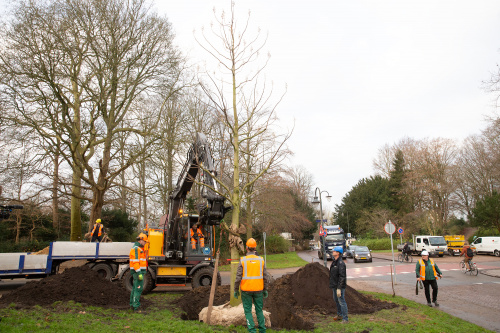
(55, 201)
(76, 214)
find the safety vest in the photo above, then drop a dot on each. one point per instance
(100, 226)
(253, 273)
(200, 237)
(137, 257)
(422, 269)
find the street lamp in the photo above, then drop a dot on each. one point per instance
(316, 201)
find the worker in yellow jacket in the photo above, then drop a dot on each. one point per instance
(138, 268)
(250, 278)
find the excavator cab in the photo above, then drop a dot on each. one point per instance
(198, 240)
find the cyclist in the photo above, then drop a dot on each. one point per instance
(468, 254)
(406, 251)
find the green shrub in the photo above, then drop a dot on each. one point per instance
(35, 246)
(377, 243)
(274, 244)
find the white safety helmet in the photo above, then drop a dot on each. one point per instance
(425, 253)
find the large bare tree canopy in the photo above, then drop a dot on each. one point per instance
(75, 71)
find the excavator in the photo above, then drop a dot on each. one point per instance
(181, 249)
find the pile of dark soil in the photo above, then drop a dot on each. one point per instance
(78, 284)
(197, 299)
(295, 300)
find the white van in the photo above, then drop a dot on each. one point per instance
(487, 245)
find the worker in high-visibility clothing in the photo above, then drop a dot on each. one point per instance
(250, 278)
(97, 231)
(197, 236)
(138, 268)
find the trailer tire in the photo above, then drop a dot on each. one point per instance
(203, 277)
(451, 252)
(103, 270)
(496, 253)
(128, 282)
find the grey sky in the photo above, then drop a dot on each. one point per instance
(361, 74)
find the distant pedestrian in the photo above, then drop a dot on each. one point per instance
(338, 282)
(138, 269)
(97, 231)
(250, 277)
(428, 272)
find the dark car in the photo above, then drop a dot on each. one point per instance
(349, 250)
(361, 253)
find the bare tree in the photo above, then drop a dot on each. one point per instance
(239, 96)
(72, 71)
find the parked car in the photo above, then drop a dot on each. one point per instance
(362, 253)
(349, 250)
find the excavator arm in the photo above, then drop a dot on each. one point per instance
(199, 159)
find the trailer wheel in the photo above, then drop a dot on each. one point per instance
(103, 270)
(203, 277)
(128, 282)
(497, 253)
(451, 252)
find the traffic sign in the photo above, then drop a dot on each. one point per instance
(400, 231)
(389, 228)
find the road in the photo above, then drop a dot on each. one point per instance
(472, 298)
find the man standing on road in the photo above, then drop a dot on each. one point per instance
(250, 277)
(428, 272)
(338, 282)
(468, 253)
(138, 268)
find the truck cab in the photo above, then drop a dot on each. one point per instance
(435, 245)
(334, 237)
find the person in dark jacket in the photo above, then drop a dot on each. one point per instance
(338, 282)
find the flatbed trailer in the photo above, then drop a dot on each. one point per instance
(32, 266)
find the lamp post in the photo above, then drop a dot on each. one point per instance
(317, 194)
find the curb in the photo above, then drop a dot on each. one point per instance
(490, 272)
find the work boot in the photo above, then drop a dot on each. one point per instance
(337, 318)
(436, 303)
(344, 321)
(429, 304)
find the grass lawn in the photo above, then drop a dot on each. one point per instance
(281, 260)
(73, 317)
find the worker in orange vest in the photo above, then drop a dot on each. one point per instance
(97, 231)
(197, 236)
(250, 278)
(138, 268)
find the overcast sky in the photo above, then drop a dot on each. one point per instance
(362, 74)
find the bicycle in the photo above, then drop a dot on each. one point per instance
(404, 257)
(473, 268)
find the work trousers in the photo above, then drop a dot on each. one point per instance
(138, 286)
(257, 298)
(341, 304)
(434, 285)
(96, 239)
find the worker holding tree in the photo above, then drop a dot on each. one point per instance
(97, 231)
(138, 269)
(250, 278)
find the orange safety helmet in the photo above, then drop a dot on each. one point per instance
(143, 237)
(251, 243)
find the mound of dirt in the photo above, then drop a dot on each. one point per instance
(79, 284)
(194, 301)
(294, 299)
